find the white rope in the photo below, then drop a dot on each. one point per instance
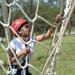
(56, 45)
(60, 38)
(58, 48)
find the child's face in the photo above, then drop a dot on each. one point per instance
(26, 29)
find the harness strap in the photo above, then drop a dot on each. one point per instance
(27, 71)
(18, 72)
(17, 66)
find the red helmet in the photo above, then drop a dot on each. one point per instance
(17, 23)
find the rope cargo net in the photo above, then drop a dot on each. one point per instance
(49, 68)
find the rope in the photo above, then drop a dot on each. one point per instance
(56, 42)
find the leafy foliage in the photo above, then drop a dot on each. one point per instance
(47, 10)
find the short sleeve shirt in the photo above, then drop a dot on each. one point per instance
(18, 45)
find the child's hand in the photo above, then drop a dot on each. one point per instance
(58, 18)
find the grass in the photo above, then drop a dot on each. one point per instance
(66, 60)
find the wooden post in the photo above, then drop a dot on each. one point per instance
(31, 3)
(5, 18)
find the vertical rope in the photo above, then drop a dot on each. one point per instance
(55, 50)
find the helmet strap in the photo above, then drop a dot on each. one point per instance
(23, 34)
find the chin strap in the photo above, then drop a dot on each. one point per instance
(23, 33)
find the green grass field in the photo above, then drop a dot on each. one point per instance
(66, 60)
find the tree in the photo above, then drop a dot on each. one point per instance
(47, 10)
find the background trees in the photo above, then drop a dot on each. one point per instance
(47, 9)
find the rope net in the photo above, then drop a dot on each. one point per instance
(50, 64)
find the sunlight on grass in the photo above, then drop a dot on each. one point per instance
(66, 60)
